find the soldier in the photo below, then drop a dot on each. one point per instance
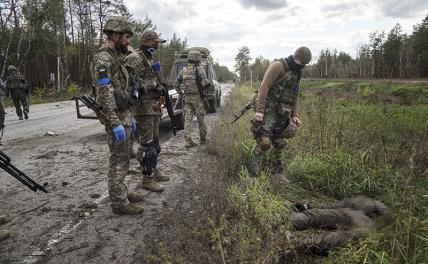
(194, 104)
(111, 90)
(146, 115)
(276, 108)
(355, 216)
(17, 87)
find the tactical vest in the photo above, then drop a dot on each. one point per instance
(151, 83)
(189, 79)
(283, 95)
(15, 81)
(121, 95)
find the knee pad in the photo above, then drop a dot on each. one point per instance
(264, 144)
(157, 144)
(149, 158)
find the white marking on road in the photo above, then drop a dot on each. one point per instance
(37, 117)
(59, 236)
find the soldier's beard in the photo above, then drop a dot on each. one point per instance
(121, 47)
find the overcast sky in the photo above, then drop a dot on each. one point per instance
(274, 28)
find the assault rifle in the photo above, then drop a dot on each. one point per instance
(243, 111)
(93, 105)
(247, 107)
(201, 89)
(165, 98)
(19, 175)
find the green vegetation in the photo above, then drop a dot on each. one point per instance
(352, 143)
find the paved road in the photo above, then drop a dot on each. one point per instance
(73, 222)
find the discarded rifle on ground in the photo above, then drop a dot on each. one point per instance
(19, 175)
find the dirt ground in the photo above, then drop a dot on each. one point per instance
(73, 223)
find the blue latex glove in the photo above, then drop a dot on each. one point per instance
(133, 125)
(119, 132)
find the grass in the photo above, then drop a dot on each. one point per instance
(351, 142)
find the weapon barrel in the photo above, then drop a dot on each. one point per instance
(19, 175)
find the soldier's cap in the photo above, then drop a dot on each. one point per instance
(150, 34)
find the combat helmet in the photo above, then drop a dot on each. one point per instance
(194, 55)
(118, 24)
(11, 68)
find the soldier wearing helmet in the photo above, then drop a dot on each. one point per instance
(111, 91)
(146, 115)
(194, 105)
(276, 117)
(16, 86)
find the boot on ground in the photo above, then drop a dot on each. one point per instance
(151, 185)
(3, 219)
(127, 209)
(135, 197)
(190, 144)
(4, 234)
(25, 114)
(159, 177)
(21, 118)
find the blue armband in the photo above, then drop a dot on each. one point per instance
(103, 81)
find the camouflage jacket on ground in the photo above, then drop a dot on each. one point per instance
(149, 83)
(186, 79)
(111, 86)
(15, 81)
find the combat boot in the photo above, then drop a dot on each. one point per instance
(203, 141)
(4, 234)
(3, 219)
(159, 177)
(135, 197)
(190, 144)
(21, 118)
(151, 185)
(127, 209)
(25, 114)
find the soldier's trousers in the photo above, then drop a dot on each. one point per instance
(268, 133)
(118, 167)
(194, 106)
(355, 222)
(19, 97)
(148, 129)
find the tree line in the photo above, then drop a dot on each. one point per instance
(53, 41)
(392, 55)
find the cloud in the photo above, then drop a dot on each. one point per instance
(402, 9)
(264, 4)
(339, 7)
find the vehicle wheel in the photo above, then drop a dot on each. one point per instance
(179, 120)
(213, 106)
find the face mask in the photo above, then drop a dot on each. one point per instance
(150, 50)
(293, 66)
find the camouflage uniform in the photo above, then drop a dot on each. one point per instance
(354, 215)
(111, 91)
(146, 116)
(277, 99)
(194, 105)
(17, 87)
(2, 113)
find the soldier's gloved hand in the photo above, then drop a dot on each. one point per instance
(119, 133)
(259, 117)
(133, 125)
